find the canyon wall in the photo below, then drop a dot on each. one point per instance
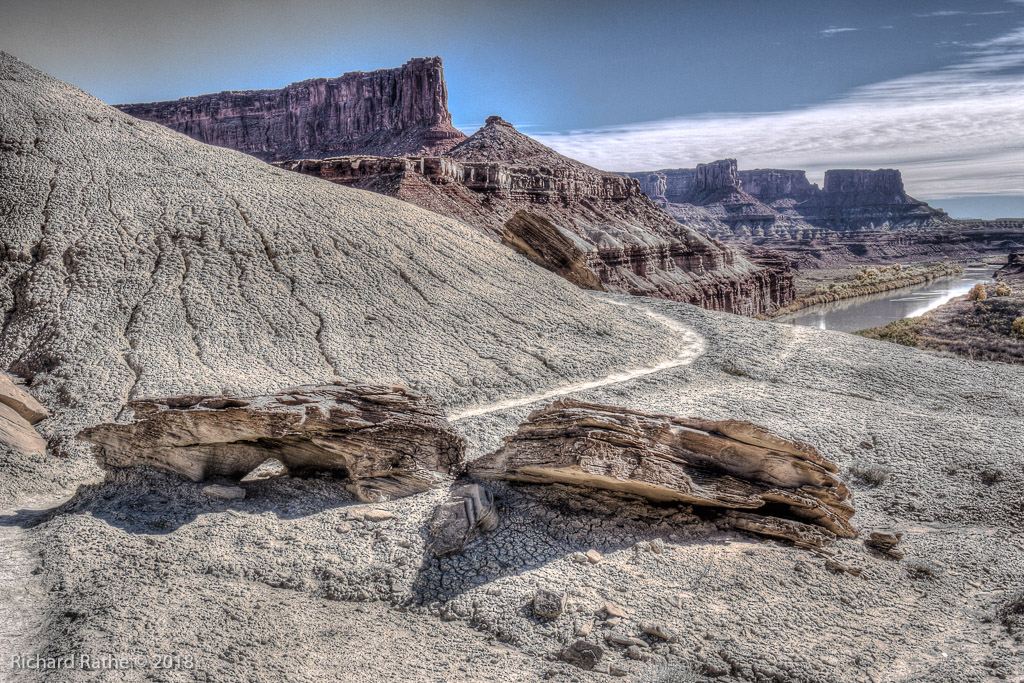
(588, 225)
(773, 184)
(857, 216)
(385, 112)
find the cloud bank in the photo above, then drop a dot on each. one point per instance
(955, 132)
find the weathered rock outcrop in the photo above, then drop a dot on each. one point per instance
(386, 112)
(569, 209)
(721, 464)
(540, 240)
(1014, 267)
(387, 440)
(18, 412)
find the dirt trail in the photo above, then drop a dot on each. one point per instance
(22, 599)
(690, 348)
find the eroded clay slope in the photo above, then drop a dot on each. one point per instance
(138, 262)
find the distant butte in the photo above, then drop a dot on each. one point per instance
(384, 112)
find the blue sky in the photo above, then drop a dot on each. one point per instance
(934, 88)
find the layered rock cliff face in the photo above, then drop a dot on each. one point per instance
(773, 184)
(386, 112)
(514, 189)
(1014, 267)
(858, 216)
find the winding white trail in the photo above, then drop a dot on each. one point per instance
(691, 347)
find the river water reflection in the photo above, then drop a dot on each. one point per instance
(875, 310)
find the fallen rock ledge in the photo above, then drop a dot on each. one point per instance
(723, 464)
(388, 440)
(18, 412)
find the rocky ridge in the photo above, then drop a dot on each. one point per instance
(858, 216)
(386, 441)
(385, 112)
(558, 211)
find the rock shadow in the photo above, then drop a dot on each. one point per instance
(151, 501)
(540, 524)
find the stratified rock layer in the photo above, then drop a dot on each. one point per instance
(386, 440)
(18, 412)
(386, 112)
(723, 464)
(859, 216)
(569, 217)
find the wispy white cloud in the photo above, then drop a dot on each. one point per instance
(957, 131)
(958, 12)
(832, 30)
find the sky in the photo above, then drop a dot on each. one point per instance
(934, 88)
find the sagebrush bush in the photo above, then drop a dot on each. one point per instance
(977, 293)
(1017, 328)
(869, 473)
(1003, 289)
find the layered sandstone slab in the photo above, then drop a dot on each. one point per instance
(18, 412)
(721, 464)
(386, 112)
(387, 440)
(552, 208)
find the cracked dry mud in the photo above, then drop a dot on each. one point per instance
(140, 263)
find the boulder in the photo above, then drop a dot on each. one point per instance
(720, 464)
(583, 654)
(18, 412)
(387, 440)
(549, 604)
(20, 401)
(468, 510)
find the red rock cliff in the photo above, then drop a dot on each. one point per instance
(389, 112)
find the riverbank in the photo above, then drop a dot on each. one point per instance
(989, 329)
(820, 288)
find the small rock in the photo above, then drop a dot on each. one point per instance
(634, 652)
(494, 590)
(579, 557)
(839, 568)
(614, 610)
(885, 542)
(224, 492)
(629, 641)
(593, 557)
(377, 515)
(659, 630)
(658, 545)
(614, 621)
(548, 604)
(583, 654)
(584, 630)
(617, 671)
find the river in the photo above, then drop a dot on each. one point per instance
(875, 310)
